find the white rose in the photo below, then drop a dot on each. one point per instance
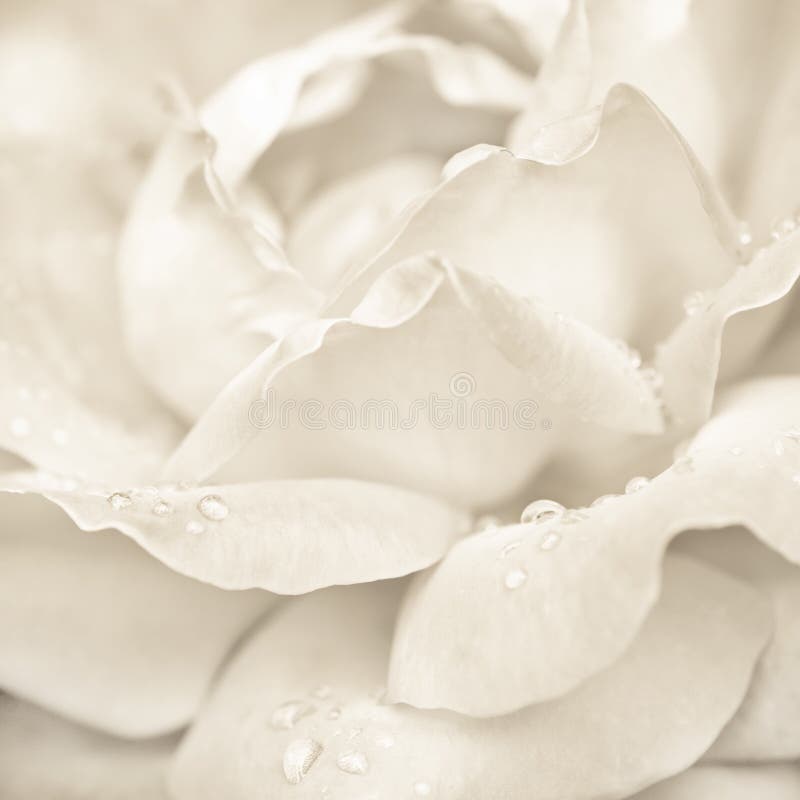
(382, 292)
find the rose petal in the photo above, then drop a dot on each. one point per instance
(770, 193)
(647, 717)
(70, 398)
(248, 112)
(647, 44)
(689, 359)
(595, 578)
(348, 221)
(43, 422)
(420, 327)
(777, 782)
(236, 291)
(767, 726)
(286, 536)
(604, 246)
(95, 629)
(48, 758)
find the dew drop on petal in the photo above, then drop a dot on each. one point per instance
(782, 228)
(353, 762)
(603, 499)
(119, 500)
(515, 578)
(194, 527)
(540, 511)
(636, 484)
(288, 714)
(793, 434)
(19, 427)
(299, 757)
(633, 356)
(694, 303)
(488, 523)
(162, 508)
(422, 789)
(385, 740)
(550, 541)
(213, 507)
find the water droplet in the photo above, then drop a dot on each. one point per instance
(487, 523)
(162, 508)
(515, 578)
(299, 757)
(290, 713)
(19, 427)
(632, 354)
(194, 527)
(422, 789)
(119, 500)
(603, 499)
(353, 762)
(683, 465)
(213, 507)
(782, 228)
(59, 436)
(540, 511)
(550, 541)
(510, 547)
(736, 451)
(745, 237)
(385, 740)
(636, 484)
(694, 303)
(793, 434)
(322, 692)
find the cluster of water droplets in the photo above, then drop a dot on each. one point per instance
(651, 376)
(211, 506)
(19, 424)
(302, 753)
(553, 515)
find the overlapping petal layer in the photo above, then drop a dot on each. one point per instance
(421, 326)
(286, 536)
(583, 583)
(94, 628)
(649, 716)
(767, 726)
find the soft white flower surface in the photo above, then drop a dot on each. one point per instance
(399, 400)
